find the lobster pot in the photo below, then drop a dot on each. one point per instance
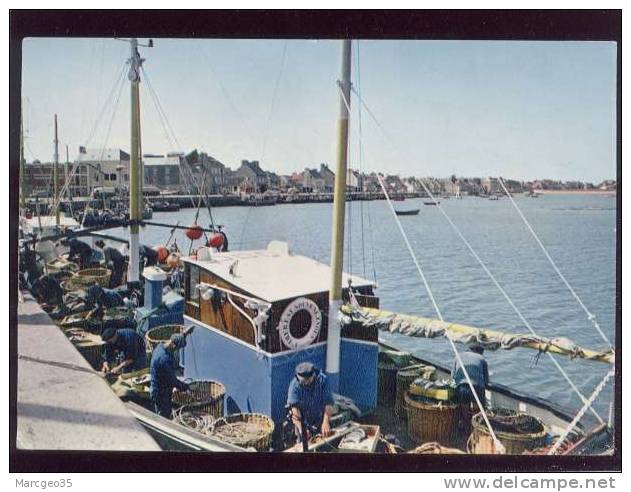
(205, 396)
(405, 377)
(518, 432)
(90, 276)
(248, 430)
(387, 383)
(432, 420)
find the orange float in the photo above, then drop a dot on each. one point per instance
(194, 232)
(163, 253)
(216, 240)
(173, 261)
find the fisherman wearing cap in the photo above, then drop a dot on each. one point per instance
(310, 400)
(98, 297)
(127, 342)
(114, 260)
(163, 378)
(474, 362)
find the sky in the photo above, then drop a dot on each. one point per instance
(523, 110)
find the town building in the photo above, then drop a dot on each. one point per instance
(104, 167)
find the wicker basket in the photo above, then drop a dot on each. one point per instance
(515, 442)
(90, 276)
(161, 333)
(248, 430)
(405, 377)
(432, 421)
(387, 380)
(207, 396)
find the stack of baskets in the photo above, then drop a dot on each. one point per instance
(518, 432)
(248, 430)
(204, 396)
(387, 367)
(405, 377)
(432, 420)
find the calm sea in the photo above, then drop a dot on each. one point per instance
(579, 232)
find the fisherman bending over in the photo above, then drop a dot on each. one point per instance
(79, 251)
(98, 297)
(163, 378)
(129, 344)
(310, 400)
(115, 261)
(477, 368)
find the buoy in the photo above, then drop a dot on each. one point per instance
(163, 253)
(216, 240)
(194, 232)
(173, 261)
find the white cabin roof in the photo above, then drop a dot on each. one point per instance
(48, 223)
(272, 275)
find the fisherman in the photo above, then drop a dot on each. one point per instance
(224, 246)
(474, 362)
(98, 297)
(310, 401)
(148, 256)
(79, 251)
(163, 378)
(129, 344)
(115, 261)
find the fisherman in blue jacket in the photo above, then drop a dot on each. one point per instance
(129, 344)
(163, 378)
(79, 251)
(310, 400)
(478, 370)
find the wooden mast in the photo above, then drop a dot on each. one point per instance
(337, 237)
(134, 165)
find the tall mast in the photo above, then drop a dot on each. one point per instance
(66, 170)
(135, 62)
(56, 176)
(337, 237)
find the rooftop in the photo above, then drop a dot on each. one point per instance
(273, 274)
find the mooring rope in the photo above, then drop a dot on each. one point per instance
(582, 411)
(492, 278)
(591, 317)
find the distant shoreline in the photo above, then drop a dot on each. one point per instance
(576, 192)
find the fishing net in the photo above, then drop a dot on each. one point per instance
(194, 418)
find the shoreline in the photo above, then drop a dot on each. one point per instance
(577, 192)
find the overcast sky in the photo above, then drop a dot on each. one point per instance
(524, 110)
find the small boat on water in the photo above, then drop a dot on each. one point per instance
(431, 203)
(408, 212)
(164, 206)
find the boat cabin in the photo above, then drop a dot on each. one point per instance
(260, 313)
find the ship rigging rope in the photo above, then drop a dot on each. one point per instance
(116, 88)
(591, 317)
(492, 277)
(499, 447)
(167, 125)
(582, 411)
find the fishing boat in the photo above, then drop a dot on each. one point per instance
(414, 211)
(164, 206)
(256, 314)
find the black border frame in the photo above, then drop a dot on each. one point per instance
(567, 25)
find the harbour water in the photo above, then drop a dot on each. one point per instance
(578, 230)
